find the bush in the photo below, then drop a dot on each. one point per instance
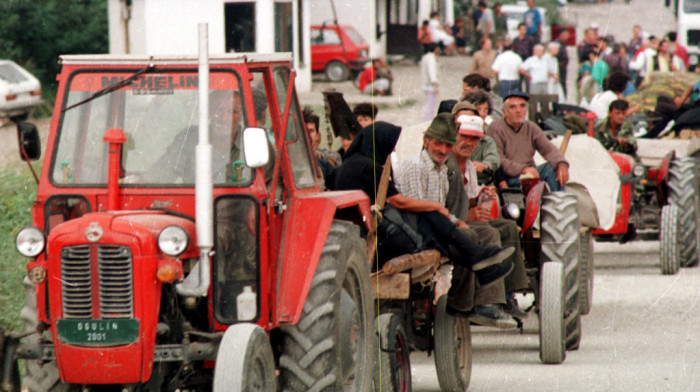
(18, 192)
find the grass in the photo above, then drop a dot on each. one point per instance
(18, 191)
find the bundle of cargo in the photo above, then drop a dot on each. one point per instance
(672, 84)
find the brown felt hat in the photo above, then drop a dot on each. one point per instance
(443, 128)
(463, 105)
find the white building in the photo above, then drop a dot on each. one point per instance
(170, 26)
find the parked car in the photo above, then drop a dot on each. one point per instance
(338, 51)
(515, 15)
(20, 91)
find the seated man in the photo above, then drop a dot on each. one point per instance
(485, 155)
(365, 113)
(517, 140)
(614, 132)
(469, 137)
(362, 169)
(376, 78)
(426, 177)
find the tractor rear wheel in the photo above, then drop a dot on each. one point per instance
(585, 261)
(393, 374)
(683, 192)
(453, 349)
(245, 361)
(560, 242)
(38, 377)
(552, 346)
(669, 251)
(332, 347)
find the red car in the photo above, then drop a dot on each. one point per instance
(338, 51)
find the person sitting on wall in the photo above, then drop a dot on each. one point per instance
(376, 78)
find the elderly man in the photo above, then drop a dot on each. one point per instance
(536, 70)
(469, 137)
(426, 177)
(517, 140)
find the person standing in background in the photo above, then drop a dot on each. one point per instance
(500, 23)
(483, 60)
(533, 21)
(429, 78)
(563, 58)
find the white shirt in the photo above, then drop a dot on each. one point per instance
(428, 71)
(537, 67)
(600, 103)
(506, 65)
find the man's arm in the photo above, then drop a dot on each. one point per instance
(490, 155)
(404, 203)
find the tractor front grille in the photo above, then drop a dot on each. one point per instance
(114, 281)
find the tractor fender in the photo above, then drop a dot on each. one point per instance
(532, 205)
(587, 210)
(662, 177)
(306, 226)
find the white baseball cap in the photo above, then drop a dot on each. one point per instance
(471, 125)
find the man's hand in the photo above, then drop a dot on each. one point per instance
(478, 214)
(480, 166)
(531, 171)
(562, 174)
(462, 224)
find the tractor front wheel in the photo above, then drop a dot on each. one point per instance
(669, 252)
(453, 349)
(332, 347)
(245, 361)
(393, 374)
(683, 192)
(552, 348)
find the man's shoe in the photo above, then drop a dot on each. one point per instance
(492, 316)
(458, 313)
(488, 276)
(495, 256)
(511, 307)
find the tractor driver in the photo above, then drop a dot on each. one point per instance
(517, 140)
(614, 132)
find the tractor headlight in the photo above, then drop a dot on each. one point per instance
(173, 240)
(512, 211)
(30, 241)
(638, 170)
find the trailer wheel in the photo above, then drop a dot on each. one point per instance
(336, 71)
(585, 261)
(244, 361)
(453, 349)
(332, 347)
(552, 313)
(560, 242)
(38, 377)
(683, 192)
(393, 374)
(669, 252)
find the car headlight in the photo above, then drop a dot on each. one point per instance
(638, 170)
(173, 240)
(30, 241)
(512, 211)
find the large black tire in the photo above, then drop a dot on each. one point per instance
(332, 348)
(552, 345)
(453, 349)
(560, 242)
(336, 71)
(244, 362)
(669, 251)
(683, 192)
(38, 377)
(586, 265)
(393, 373)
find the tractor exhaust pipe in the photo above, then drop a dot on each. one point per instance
(197, 282)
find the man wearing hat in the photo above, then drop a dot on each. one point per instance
(517, 140)
(426, 177)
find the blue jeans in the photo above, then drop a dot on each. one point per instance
(504, 86)
(547, 174)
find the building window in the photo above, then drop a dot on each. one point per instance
(240, 27)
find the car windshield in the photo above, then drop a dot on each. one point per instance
(354, 35)
(159, 115)
(10, 73)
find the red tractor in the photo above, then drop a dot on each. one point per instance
(159, 263)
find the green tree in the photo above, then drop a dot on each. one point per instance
(34, 33)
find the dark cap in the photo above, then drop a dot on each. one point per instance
(482, 4)
(443, 128)
(516, 93)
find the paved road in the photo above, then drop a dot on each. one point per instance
(641, 335)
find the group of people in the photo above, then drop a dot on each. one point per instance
(437, 192)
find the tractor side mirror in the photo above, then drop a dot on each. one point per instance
(29, 142)
(256, 148)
